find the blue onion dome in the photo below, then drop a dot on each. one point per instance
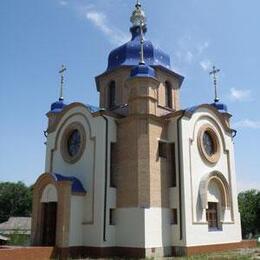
(129, 53)
(57, 106)
(142, 70)
(220, 107)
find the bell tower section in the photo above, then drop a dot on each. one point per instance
(112, 84)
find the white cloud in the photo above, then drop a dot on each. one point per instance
(63, 2)
(202, 47)
(206, 65)
(188, 57)
(190, 51)
(240, 94)
(247, 123)
(99, 19)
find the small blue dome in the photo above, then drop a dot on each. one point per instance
(129, 53)
(142, 70)
(57, 106)
(220, 107)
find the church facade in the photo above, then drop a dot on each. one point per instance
(138, 176)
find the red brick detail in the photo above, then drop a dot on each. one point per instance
(45, 253)
(97, 252)
(194, 250)
(27, 253)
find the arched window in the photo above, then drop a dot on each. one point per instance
(111, 94)
(215, 196)
(168, 94)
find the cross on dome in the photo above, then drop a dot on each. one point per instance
(62, 70)
(214, 73)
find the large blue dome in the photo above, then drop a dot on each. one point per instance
(129, 53)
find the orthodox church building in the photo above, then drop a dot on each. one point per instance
(138, 176)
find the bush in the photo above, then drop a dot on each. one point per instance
(18, 238)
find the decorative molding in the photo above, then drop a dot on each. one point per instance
(64, 141)
(59, 116)
(212, 159)
(223, 185)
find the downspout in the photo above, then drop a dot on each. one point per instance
(105, 187)
(180, 168)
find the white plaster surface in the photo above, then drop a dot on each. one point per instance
(49, 194)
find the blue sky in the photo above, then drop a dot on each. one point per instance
(38, 36)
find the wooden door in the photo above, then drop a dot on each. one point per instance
(49, 223)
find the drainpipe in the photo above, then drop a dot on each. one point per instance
(234, 133)
(105, 187)
(180, 168)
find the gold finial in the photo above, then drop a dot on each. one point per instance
(62, 70)
(138, 15)
(214, 73)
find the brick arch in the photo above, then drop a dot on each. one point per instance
(222, 184)
(63, 210)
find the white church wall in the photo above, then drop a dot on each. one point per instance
(194, 169)
(130, 227)
(157, 227)
(93, 232)
(50, 143)
(76, 214)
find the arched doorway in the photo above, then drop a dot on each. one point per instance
(49, 202)
(52, 207)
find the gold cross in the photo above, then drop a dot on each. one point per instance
(214, 73)
(62, 70)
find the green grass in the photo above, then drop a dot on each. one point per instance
(242, 254)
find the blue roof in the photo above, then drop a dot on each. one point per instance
(142, 70)
(129, 53)
(222, 108)
(57, 106)
(76, 184)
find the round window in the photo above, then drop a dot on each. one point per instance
(208, 144)
(73, 142)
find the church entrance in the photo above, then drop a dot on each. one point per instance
(49, 223)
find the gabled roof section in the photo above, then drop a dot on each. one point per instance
(189, 112)
(58, 116)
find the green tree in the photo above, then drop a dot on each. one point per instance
(249, 207)
(15, 200)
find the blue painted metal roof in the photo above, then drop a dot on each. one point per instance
(142, 70)
(129, 53)
(76, 184)
(57, 106)
(220, 107)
